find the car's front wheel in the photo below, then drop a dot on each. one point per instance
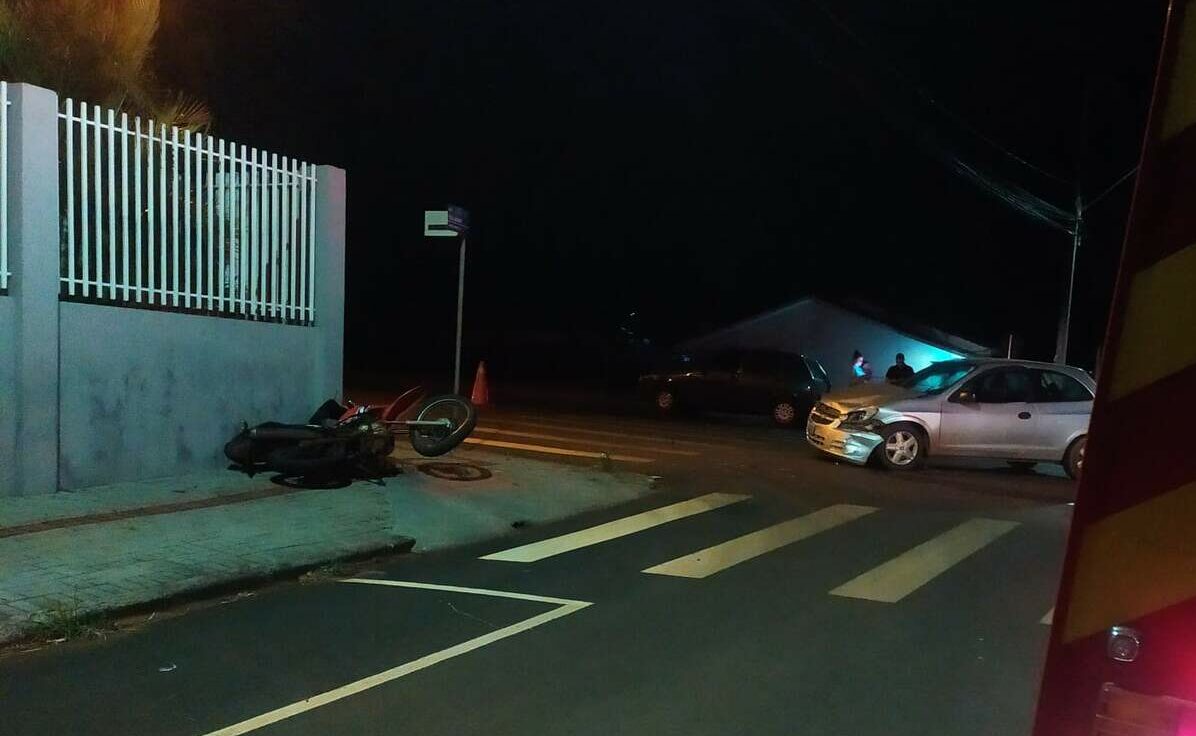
(1073, 459)
(902, 447)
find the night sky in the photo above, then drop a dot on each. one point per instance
(695, 161)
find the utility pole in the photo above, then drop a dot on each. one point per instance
(1065, 319)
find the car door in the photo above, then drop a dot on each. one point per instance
(992, 415)
(1063, 406)
(712, 386)
(762, 380)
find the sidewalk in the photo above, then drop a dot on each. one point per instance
(113, 547)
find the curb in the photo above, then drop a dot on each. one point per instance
(236, 584)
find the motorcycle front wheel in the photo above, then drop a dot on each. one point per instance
(458, 417)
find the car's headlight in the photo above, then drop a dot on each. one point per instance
(864, 419)
(860, 416)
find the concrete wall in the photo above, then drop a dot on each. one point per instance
(8, 427)
(148, 394)
(93, 394)
(29, 335)
(828, 334)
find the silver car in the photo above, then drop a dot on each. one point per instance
(1020, 411)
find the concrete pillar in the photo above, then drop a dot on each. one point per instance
(33, 288)
(330, 283)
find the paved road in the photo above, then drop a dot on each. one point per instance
(764, 590)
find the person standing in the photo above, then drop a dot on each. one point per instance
(861, 369)
(899, 371)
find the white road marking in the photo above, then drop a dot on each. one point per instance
(614, 529)
(557, 438)
(564, 608)
(1048, 618)
(556, 450)
(902, 575)
(604, 433)
(708, 561)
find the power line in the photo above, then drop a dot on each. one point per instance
(1012, 195)
(926, 95)
(1133, 170)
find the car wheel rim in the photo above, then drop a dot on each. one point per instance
(784, 413)
(1080, 457)
(901, 448)
(664, 400)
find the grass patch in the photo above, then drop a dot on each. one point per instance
(64, 620)
(327, 573)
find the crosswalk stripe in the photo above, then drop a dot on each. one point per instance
(615, 529)
(605, 433)
(902, 575)
(1048, 618)
(605, 443)
(708, 561)
(545, 449)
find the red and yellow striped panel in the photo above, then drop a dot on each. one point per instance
(1132, 552)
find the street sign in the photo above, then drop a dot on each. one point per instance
(458, 219)
(436, 224)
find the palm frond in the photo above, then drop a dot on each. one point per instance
(95, 50)
(183, 111)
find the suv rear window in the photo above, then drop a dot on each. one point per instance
(817, 371)
(778, 366)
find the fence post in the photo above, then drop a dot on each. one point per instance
(329, 282)
(34, 262)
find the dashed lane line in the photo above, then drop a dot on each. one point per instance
(547, 450)
(603, 433)
(902, 575)
(558, 438)
(707, 562)
(615, 529)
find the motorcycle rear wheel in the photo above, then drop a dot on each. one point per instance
(462, 417)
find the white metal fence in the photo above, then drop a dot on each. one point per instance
(163, 218)
(4, 274)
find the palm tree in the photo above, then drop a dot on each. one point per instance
(98, 51)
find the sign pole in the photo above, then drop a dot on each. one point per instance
(460, 315)
(449, 223)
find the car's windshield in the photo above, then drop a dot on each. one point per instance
(938, 377)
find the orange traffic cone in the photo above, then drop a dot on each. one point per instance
(480, 396)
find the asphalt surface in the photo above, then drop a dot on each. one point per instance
(941, 579)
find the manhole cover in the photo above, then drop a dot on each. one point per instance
(454, 471)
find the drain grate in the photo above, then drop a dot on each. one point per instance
(454, 471)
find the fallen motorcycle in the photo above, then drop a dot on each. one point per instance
(353, 440)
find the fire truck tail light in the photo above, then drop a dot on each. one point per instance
(1124, 713)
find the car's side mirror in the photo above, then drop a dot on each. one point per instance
(965, 396)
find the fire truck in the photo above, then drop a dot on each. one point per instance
(1122, 654)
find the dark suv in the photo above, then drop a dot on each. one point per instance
(783, 385)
